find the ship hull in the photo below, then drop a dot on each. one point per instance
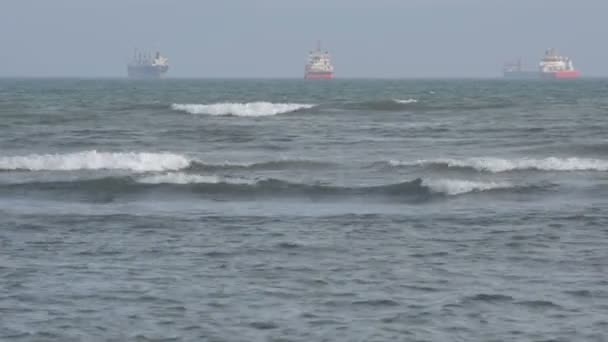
(319, 76)
(521, 75)
(530, 75)
(561, 75)
(145, 72)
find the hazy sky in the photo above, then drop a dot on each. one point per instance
(271, 38)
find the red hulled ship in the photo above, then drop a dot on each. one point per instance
(556, 67)
(319, 66)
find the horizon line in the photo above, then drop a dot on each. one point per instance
(71, 77)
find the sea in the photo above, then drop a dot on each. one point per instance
(291, 210)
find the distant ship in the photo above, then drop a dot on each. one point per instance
(319, 66)
(516, 71)
(556, 67)
(144, 66)
(551, 67)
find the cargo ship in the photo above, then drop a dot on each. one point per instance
(319, 66)
(551, 67)
(556, 67)
(146, 66)
(516, 71)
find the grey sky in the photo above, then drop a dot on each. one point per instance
(270, 38)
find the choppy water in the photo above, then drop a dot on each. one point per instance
(190, 210)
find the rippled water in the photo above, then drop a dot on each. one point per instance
(261, 210)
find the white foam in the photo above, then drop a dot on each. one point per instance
(185, 178)
(93, 160)
(405, 101)
(179, 178)
(457, 187)
(241, 109)
(492, 164)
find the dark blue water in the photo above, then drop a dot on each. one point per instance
(261, 210)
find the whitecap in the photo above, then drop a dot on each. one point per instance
(405, 101)
(186, 178)
(251, 109)
(458, 187)
(93, 160)
(496, 165)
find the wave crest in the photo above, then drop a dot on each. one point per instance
(414, 191)
(424, 105)
(405, 101)
(252, 109)
(262, 165)
(497, 165)
(93, 160)
(143, 162)
(186, 178)
(387, 105)
(458, 187)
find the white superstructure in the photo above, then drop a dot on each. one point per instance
(319, 64)
(160, 61)
(552, 62)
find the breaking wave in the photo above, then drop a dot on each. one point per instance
(497, 165)
(457, 187)
(141, 162)
(264, 108)
(252, 109)
(405, 101)
(219, 188)
(93, 160)
(442, 186)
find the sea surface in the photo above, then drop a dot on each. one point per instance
(285, 210)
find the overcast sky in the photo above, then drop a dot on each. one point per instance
(271, 38)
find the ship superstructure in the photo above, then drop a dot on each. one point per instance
(145, 65)
(554, 66)
(319, 66)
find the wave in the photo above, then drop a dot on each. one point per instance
(458, 187)
(385, 105)
(264, 108)
(93, 160)
(262, 165)
(141, 162)
(428, 105)
(442, 186)
(489, 297)
(497, 165)
(220, 188)
(599, 148)
(416, 191)
(186, 178)
(252, 109)
(406, 101)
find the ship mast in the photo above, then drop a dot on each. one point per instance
(519, 64)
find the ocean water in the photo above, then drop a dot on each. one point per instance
(285, 210)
